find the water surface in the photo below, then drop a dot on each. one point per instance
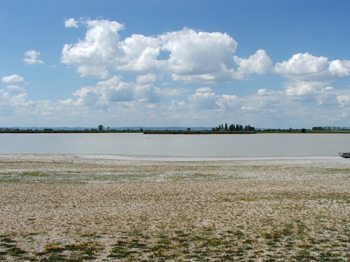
(201, 146)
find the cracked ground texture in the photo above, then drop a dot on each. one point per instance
(66, 207)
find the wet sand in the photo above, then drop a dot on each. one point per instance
(67, 207)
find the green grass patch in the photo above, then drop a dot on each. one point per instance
(53, 248)
(79, 251)
(34, 174)
(9, 248)
(120, 250)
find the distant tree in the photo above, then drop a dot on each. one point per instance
(248, 128)
(232, 128)
(100, 127)
(239, 128)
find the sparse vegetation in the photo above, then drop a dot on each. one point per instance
(79, 209)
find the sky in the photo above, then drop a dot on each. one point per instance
(267, 63)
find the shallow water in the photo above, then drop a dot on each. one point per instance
(187, 146)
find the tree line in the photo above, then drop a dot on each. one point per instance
(233, 128)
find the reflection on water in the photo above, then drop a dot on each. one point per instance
(254, 145)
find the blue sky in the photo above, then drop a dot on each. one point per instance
(174, 63)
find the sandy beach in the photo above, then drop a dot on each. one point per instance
(70, 207)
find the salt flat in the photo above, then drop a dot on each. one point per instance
(71, 207)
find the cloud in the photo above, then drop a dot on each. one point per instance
(328, 98)
(16, 109)
(112, 91)
(139, 53)
(229, 102)
(14, 99)
(71, 23)
(258, 63)
(198, 54)
(105, 92)
(165, 91)
(177, 105)
(115, 90)
(153, 65)
(125, 103)
(308, 79)
(204, 98)
(339, 68)
(84, 96)
(312, 93)
(303, 88)
(94, 55)
(264, 92)
(147, 94)
(146, 79)
(304, 66)
(343, 100)
(13, 79)
(186, 55)
(31, 57)
(264, 100)
(190, 56)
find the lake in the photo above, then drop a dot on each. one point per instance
(187, 146)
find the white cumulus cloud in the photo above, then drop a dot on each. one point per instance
(304, 66)
(105, 92)
(71, 23)
(13, 79)
(147, 94)
(114, 90)
(94, 55)
(186, 55)
(264, 92)
(31, 57)
(204, 98)
(146, 79)
(343, 100)
(303, 88)
(228, 102)
(339, 68)
(258, 63)
(308, 78)
(140, 53)
(85, 96)
(198, 53)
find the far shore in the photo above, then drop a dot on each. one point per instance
(97, 207)
(168, 132)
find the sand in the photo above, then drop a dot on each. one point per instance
(66, 207)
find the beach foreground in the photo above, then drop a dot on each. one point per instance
(75, 208)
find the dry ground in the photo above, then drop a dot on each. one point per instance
(55, 208)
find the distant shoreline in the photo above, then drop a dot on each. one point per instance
(171, 132)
